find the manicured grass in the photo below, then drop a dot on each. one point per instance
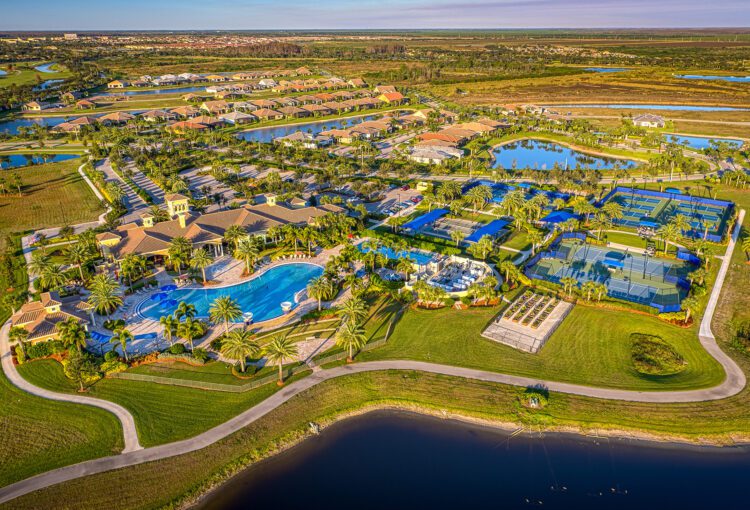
(29, 75)
(518, 240)
(624, 238)
(40, 434)
(162, 413)
(54, 195)
(591, 347)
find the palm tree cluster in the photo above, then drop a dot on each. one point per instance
(105, 294)
(351, 333)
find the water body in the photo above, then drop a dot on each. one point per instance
(11, 126)
(665, 107)
(607, 69)
(46, 68)
(262, 296)
(701, 142)
(147, 92)
(19, 160)
(266, 135)
(3, 73)
(542, 155)
(402, 461)
(48, 84)
(737, 79)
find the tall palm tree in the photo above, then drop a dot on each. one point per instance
(39, 262)
(247, 251)
(457, 236)
(169, 323)
(238, 345)
(319, 288)
(77, 254)
(689, 304)
(186, 310)
(225, 309)
(189, 330)
(353, 310)
(406, 266)
(568, 283)
(201, 259)
(122, 336)
(104, 297)
(234, 233)
(53, 277)
(351, 336)
(72, 333)
(132, 267)
(277, 350)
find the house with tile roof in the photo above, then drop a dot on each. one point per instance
(41, 318)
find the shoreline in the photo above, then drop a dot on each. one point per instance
(572, 146)
(202, 493)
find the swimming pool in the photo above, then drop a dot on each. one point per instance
(543, 155)
(262, 296)
(419, 257)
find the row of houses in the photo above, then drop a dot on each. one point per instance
(190, 78)
(440, 146)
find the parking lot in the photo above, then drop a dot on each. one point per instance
(395, 200)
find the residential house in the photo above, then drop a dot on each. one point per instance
(237, 118)
(292, 112)
(85, 104)
(649, 120)
(392, 98)
(268, 114)
(117, 84)
(42, 318)
(216, 107)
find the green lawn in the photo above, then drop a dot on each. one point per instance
(25, 74)
(40, 434)
(625, 238)
(591, 347)
(518, 240)
(162, 413)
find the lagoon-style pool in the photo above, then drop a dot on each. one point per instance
(664, 107)
(18, 160)
(701, 142)
(262, 295)
(543, 155)
(421, 258)
(268, 134)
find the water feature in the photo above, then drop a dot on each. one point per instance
(262, 296)
(268, 134)
(736, 79)
(47, 84)
(607, 69)
(11, 126)
(664, 107)
(701, 142)
(3, 73)
(399, 460)
(19, 160)
(542, 155)
(46, 68)
(421, 258)
(176, 90)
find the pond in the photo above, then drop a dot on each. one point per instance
(543, 155)
(701, 142)
(607, 69)
(3, 73)
(665, 107)
(404, 461)
(11, 126)
(268, 134)
(737, 79)
(176, 90)
(47, 84)
(19, 160)
(45, 68)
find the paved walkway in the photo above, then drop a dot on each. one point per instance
(132, 455)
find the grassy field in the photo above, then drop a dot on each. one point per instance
(591, 347)
(40, 434)
(25, 74)
(54, 195)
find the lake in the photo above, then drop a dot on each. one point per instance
(268, 134)
(737, 79)
(11, 126)
(666, 107)
(19, 160)
(45, 68)
(403, 461)
(542, 155)
(701, 142)
(607, 69)
(48, 84)
(176, 90)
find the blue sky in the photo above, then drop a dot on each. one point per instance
(352, 14)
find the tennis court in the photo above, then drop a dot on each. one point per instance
(629, 276)
(644, 208)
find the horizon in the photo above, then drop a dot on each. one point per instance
(252, 15)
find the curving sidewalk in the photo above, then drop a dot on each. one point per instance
(732, 384)
(130, 435)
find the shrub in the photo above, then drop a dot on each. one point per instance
(113, 365)
(44, 349)
(113, 324)
(651, 355)
(505, 287)
(201, 355)
(111, 355)
(20, 356)
(449, 301)
(466, 300)
(177, 348)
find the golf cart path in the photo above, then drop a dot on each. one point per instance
(732, 384)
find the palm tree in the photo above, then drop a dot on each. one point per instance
(77, 254)
(53, 277)
(353, 310)
(39, 262)
(72, 333)
(233, 234)
(568, 283)
(169, 323)
(669, 233)
(186, 310)
(104, 295)
(201, 259)
(746, 245)
(406, 266)
(132, 266)
(319, 288)
(20, 335)
(189, 330)
(351, 336)
(178, 253)
(122, 336)
(277, 350)
(247, 251)
(457, 236)
(238, 345)
(689, 304)
(225, 309)
(588, 288)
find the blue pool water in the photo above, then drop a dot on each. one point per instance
(664, 107)
(701, 142)
(266, 135)
(262, 296)
(737, 79)
(177, 90)
(417, 256)
(18, 160)
(607, 69)
(538, 154)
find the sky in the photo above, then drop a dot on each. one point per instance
(363, 14)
